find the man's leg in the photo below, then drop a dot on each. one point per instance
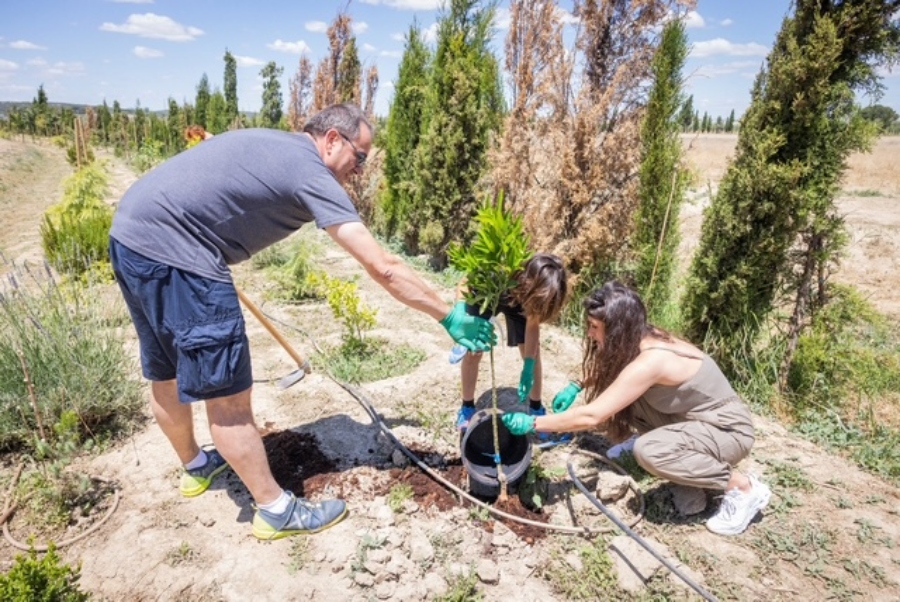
(174, 418)
(234, 432)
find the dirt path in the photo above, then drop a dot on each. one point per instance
(31, 177)
(831, 530)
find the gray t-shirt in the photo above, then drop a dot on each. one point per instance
(227, 198)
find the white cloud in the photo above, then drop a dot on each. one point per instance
(712, 71)
(63, 68)
(721, 46)
(502, 19)
(6, 66)
(369, 48)
(154, 26)
(23, 45)
(316, 26)
(566, 18)
(392, 54)
(398, 37)
(38, 62)
(693, 20)
(248, 61)
(726, 22)
(407, 4)
(142, 52)
(430, 34)
(298, 47)
(359, 27)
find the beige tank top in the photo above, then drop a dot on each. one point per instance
(707, 390)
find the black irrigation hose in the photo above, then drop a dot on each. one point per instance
(376, 419)
(627, 530)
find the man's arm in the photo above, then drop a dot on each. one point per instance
(387, 270)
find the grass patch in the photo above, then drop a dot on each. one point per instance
(594, 579)
(371, 360)
(868, 192)
(462, 588)
(399, 495)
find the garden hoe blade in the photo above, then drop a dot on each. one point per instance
(302, 365)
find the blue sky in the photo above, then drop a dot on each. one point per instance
(85, 51)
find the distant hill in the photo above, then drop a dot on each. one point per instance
(81, 109)
(8, 105)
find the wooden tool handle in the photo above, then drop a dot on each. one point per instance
(301, 363)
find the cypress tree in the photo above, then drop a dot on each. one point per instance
(349, 82)
(774, 225)
(201, 104)
(463, 110)
(729, 123)
(404, 129)
(686, 117)
(662, 179)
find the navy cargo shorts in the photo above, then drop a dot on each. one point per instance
(190, 328)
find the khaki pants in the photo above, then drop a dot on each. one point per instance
(697, 452)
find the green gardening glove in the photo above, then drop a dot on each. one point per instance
(565, 398)
(518, 423)
(473, 333)
(526, 380)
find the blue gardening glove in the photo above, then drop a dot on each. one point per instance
(526, 380)
(565, 398)
(518, 423)
(473, 333)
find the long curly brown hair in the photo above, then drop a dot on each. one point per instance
(624, 318)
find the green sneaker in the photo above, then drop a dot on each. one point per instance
(302, 517)
(196, 481)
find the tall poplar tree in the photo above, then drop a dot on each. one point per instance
(271, 111)
(773, 229)
(231, 98)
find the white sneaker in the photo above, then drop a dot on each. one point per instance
(739, 508)
(625, 447)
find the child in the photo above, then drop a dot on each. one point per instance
(538, 297)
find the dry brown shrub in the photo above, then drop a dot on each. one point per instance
(570, 155)
(301, 95)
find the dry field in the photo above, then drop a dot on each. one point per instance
(870, 203)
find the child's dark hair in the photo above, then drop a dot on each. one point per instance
(542, 288)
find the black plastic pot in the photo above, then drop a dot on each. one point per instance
(478, 456)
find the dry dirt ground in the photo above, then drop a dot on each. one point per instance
(830, 532)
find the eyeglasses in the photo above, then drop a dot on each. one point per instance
(360, 156)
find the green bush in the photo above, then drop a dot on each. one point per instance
(47, 579)
(75, 232)
(847, 351)
(149, 155)
(59, 353)
(348, 308)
